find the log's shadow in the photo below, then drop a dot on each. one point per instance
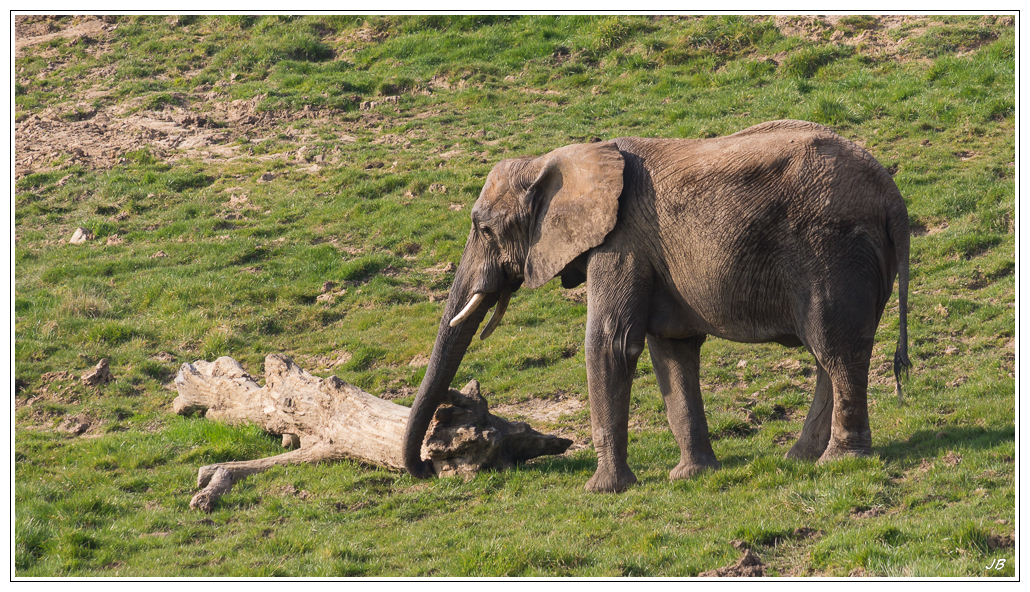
(560, 465)
(924, 443)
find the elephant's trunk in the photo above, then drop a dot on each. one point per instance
(448, 351)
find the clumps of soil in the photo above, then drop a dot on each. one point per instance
(100, 374)
(237, 207)
(164, 357)
(870, 513)
(748, 566)
(400, 392)
(76, 425)
(996, 541)
(327, 361)
(291, 491)
(577, 295)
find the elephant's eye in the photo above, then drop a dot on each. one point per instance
(489, 233)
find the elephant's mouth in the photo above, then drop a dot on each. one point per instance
(502, 306)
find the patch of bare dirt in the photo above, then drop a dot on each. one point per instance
(35, 29)
(877, 37)
(76, 425)
(202, 125)
(541, 410)
(549, 411)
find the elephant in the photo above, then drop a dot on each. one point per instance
(783, 232)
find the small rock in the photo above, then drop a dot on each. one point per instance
(158, 255)
(100, 374)
(742, 364)
(81, 236)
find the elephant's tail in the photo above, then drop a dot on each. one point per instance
(898, 231)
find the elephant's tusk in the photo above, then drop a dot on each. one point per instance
(502, 305)
(469, 308)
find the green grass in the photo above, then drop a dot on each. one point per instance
(243, 281)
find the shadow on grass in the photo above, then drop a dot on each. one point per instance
(561, 465)
(932, 442)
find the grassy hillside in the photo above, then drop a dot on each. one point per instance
(228, 167)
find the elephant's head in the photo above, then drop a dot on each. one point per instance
(533, 217)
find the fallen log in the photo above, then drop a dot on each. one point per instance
(329, 419)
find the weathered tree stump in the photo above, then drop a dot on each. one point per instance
(329, 419)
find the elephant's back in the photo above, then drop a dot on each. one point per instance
(746, 225)
(804, 169)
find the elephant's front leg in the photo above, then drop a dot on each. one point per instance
(615, 336)
(611, 362)
(677, 365)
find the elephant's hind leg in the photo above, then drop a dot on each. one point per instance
(677, 364)
(816, 433)
(849, 430)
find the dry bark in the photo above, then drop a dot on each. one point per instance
(329, 419)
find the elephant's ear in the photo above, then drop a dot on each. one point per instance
(575, 201)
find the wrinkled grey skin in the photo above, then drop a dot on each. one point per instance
(783, 232)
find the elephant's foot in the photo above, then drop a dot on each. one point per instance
(611, 481)
(805, 450)
(847, 448)
(690, 468)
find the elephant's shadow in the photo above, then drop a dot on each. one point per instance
(921, 444)
(931, 443)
